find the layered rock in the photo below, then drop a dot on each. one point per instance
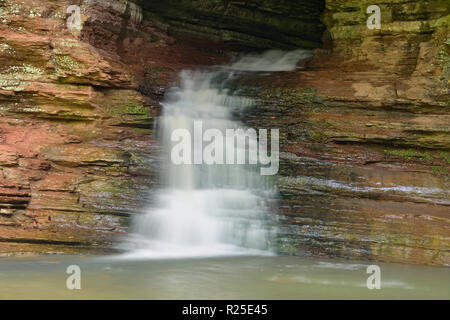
(255, 24)
(76, 118)
(73, 131)
(364, 126)
(365, 136)
(358, 199)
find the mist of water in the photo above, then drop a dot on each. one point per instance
(272, 60)
(208, 210)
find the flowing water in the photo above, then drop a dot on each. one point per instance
(209, 209)
(208, 234)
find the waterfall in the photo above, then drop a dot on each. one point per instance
(209, 209)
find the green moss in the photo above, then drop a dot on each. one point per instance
(155, 70)
(444, 60)
(439, 170)
(445, 155)
(316, 135)
(11, 79)
(309, 95)
(66, 63)
(142, 130)
(290, 97)
(11, 85)
(139, 111)
(135, 110)
(24, 69)
(409, 154)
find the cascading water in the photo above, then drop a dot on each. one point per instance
(209, 209)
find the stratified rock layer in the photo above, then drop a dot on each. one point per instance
(365, 136)
(76, 119)
(364, 126)
(73, 132)
(254, 24)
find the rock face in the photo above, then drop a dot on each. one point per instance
(73, 130)
(76, 119)
(410, 50)
(365, 129)
(256, 23)
(364, 126)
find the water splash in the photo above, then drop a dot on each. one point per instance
(272, 60)
(209, 210)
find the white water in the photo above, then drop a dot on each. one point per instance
(272, 60)
(209, 210)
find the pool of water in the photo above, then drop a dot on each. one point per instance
(240, 277)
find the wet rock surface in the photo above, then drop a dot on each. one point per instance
(372, 199)
(77, 109)
(364, 125)
(74, 132)
(253, 24)
(364, 136)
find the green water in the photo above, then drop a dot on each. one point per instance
(216, 278)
